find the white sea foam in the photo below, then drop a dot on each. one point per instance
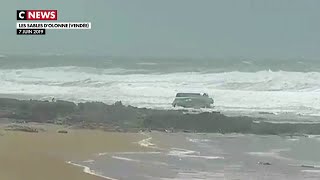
(103, 154)
(246, 62)
(90, 171)
(180, 151)
(185, 153)
(197, 175)
(89, 161)
(265, 91)
(314, 136)
(275, 153)
(147, 141)
(125, 159)
(139, 161)
(201, 157)
(311, 171)
(152, 152)
(127, 153)
(198, 140)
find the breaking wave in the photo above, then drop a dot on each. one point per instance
(267, 91)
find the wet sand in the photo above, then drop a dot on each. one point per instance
(43, 155)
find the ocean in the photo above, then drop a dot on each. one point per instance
(287, 91)
(211, 156)
(237, 85)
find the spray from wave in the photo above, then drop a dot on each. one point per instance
(234, 91)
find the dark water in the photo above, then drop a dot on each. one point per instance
(214, 156)
(161, 65)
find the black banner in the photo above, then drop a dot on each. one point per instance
(31, 31)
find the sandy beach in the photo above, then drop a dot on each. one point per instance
(43, 155)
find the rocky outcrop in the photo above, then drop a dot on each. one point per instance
(117, 117)
(22, 128)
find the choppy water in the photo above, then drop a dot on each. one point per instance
(237, 85)
(241, 85)
(214, 156)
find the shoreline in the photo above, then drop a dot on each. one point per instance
(58, 151)
(87, 170)
(39, 136)
(45, 155)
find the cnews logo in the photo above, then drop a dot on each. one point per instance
(37, 15)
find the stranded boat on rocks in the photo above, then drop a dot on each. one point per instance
(193, 100)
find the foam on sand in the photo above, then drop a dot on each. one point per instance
(197, 175)
(272, 153)
(185, 153)
(150, 152)
(90, 171)
(147, 141)
(89, 161)
(311, 171)
(198, 140)
(125, 159)
(126, 153)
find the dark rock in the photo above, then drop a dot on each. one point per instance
(264, 163)
(21, 128)
(117, 117)
(63, 131)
